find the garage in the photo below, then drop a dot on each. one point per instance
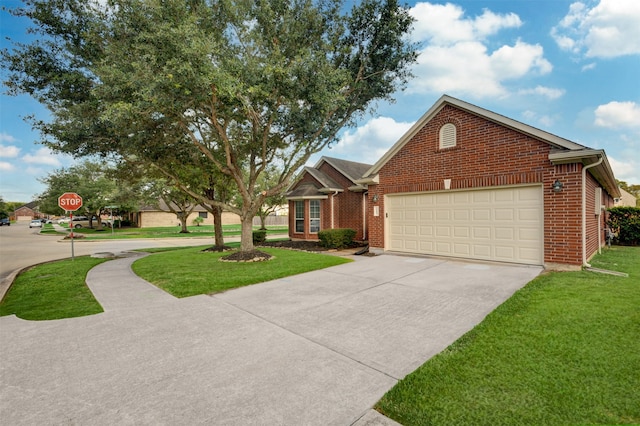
(497, 224)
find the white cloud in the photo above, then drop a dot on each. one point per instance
(536, 119)
(445, 24)
(628, 171)
(547, 92)
(455, 58)
(9, 151)
(609, 29)
(369, 142)
(42, 156)
(6, 167)
(5, 137)
(617, 115)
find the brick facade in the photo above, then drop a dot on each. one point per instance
(488, 154)
(339, 209)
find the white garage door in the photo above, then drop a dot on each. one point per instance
(504, 224)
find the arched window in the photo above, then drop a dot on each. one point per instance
(447, 136)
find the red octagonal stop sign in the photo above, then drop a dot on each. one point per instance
(70, 201)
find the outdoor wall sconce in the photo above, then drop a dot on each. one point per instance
(375, 198)
(557, 186)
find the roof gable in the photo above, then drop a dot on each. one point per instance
(541, 135)
(565, 151)
(351, 170)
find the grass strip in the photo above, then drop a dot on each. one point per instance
(191, 271)
(563, 350)
(52, 291)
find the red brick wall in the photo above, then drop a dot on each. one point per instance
(347, 207)
(486, 155)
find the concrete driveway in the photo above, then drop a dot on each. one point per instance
(314, 349)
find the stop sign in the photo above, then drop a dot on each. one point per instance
(70, 201)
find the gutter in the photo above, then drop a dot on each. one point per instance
(584, 210)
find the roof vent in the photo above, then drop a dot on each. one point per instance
(447, 136)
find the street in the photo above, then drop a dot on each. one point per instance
(21, 246)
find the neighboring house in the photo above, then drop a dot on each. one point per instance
(160, 216)
(28, 212)
(625, 200)
(469, 183)
(327, 196)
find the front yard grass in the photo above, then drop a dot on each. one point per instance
(191, 271)
(52, 291)
(564, 350)
(58, 290)
(161, 232)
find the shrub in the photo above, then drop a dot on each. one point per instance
(336, 238)
(259, 236)
(625, 222)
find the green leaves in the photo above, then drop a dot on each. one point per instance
(242, 84)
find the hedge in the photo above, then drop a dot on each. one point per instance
(259, 236)
(625, 223)
(337, 238)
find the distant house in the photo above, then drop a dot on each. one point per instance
(161, 216)
(626, 199)
(327, 196)
(28, 212)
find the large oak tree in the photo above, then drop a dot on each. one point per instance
(244, 85)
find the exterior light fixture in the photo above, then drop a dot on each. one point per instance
(375, 198)
(557, 186)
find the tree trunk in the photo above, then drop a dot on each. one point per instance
(263, 221)
(183, 223)
(217, 226)
(246, 242)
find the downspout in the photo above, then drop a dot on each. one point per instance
(364, 215)
(584, 211)
(333, 201)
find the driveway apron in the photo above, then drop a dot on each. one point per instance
(314, 349)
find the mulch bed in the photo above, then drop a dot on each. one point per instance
(258, 256)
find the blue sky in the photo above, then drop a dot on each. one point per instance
(571, 68)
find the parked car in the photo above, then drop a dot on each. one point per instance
(35, 224)
(83, 222)
(63, 220)
(5, 221)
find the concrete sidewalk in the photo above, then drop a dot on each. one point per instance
(314, 349)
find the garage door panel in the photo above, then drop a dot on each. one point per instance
(463, 250)
(504, 234)
(481, 233)
(481, 214)
(461, 232)
(503, 224)
(503, 214)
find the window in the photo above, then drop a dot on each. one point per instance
(314, 216)
(299, 216)
(203, 215)
(447, 136)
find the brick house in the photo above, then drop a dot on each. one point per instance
(327, 196)
(28, 212)
(161, 215)
(467, 182)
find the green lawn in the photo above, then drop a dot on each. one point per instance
(52, 291)
(57, 290)
(564, 350)
(191, 271)
(160, 232)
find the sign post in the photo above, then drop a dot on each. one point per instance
(70, 202)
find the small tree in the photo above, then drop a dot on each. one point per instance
(198, 220)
